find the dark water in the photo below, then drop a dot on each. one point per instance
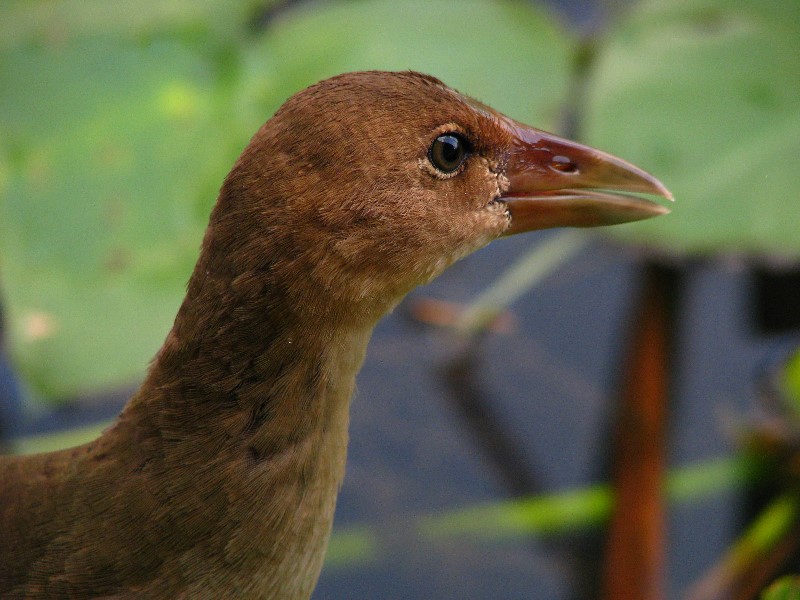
(550, 389)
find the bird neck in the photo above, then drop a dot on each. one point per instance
(253, 365)
(271, 329)
(249, 396)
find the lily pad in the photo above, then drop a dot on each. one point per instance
(112, 149)
(59, 21)
(706, 95)
(508, 54)
(114, 153)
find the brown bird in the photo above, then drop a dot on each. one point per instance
(220, 476)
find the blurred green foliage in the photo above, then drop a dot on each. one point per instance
(117, 127)
(786, 588)
(706, 94)
(112, 150)
(55, 22)
(790, 381)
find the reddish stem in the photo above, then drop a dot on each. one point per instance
(635, 553)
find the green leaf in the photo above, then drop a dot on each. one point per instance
(24, 22)
(785, 588)
(791, 381)
(558, 513)
(532, 267)
(586, 507)
(755, 548)
(112, 149)
(114, 153)
(506, 54)
(706, 95)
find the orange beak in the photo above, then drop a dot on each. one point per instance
(558, 183)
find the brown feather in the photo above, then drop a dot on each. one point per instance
(219, 478)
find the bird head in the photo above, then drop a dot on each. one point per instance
(371, 183)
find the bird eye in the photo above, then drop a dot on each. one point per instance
(448, 152)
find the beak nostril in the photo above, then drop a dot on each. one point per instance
(563, 164)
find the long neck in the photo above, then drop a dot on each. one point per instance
(250, 397)
(265, 373)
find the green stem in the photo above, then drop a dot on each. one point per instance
(549, 515)
(526, 272)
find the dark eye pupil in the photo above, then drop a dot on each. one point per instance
(447, 152)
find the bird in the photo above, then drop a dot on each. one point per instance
(219, 477)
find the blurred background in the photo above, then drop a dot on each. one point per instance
(503, 408)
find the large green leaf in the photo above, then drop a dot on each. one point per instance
(505, 53)
(706, 95)
(58, 21)
(114, 153)
(111, 150)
